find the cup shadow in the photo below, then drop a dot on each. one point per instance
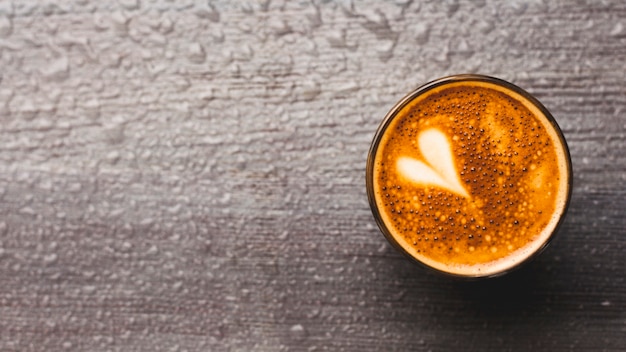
(508, 295)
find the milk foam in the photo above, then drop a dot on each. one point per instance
(440, 170)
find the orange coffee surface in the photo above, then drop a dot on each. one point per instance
(505, 160)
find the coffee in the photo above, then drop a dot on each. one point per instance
(469, 175)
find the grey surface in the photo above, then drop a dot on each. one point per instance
(189, 176)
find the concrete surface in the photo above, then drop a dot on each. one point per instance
(189, 175)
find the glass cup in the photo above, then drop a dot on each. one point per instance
(433, 126)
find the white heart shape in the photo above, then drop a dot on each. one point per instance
(440, 170)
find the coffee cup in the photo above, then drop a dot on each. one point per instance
(469, 175)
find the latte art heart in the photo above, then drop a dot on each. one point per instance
(438, 170)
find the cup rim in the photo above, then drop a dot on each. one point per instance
(369, 170)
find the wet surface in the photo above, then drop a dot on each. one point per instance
(189, 176)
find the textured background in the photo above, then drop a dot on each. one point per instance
(189, 176)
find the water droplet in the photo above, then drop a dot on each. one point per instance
(377, 23)
(114, 135)
(196, 53)
(27, 210)
(129, 4)
(442, 58)
(175, 209)
(337, 38)
(462, 47)
(206, 94)
(99, 21)
(208, 12)
(91, 108)
(279, 27)
(346, 89)
(384, 49)
(58, 70)
(6, 26)
(485, 26)
(297, 332)
(6, 8)
(45, 184)
(50, 258)
(308, 91)
(23, 107)
(126, 246)
(315, 18)
(264, 5)
(618, 30)
(422, 32)
(89, 274)
(452, 6)
(74, 187)
(145, 222)
(11, 45)
(120, 22)
(166, 25)
(402, 3)
(518, 7)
